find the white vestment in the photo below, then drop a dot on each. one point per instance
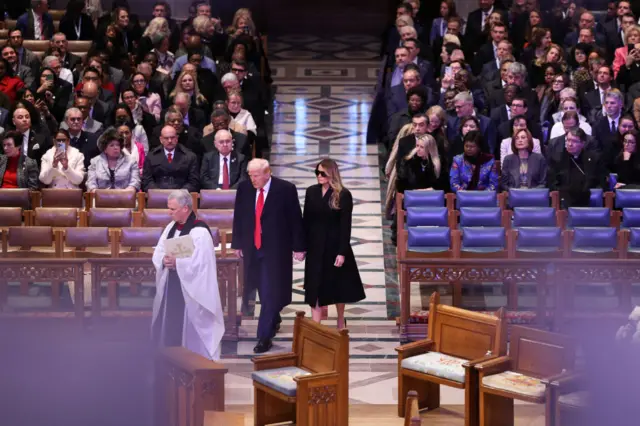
(203, 325)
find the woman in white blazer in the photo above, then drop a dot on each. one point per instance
(238, 114)
(62, 166)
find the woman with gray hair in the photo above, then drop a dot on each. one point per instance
(113, 169)
(156, 31)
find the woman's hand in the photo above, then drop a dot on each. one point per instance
(631, 57)
(626, 155)
(64, 161)
(339, 261)
(619, 185)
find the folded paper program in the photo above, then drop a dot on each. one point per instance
(180, 247)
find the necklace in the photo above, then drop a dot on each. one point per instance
(424, 164)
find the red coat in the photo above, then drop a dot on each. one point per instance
(10, 86)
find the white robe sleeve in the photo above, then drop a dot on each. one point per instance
(161, 273)
(204, 317)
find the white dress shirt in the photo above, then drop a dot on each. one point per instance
(37, 30)
(266, 188)
(25, 142)
(173, 154)
(220, 174)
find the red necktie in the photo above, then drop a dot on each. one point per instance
(257, 234)
(169, 157)
(225, 175)
(41, 28)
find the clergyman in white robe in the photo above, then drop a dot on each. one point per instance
(203, 321)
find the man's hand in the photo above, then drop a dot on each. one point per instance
(339, 261)
(238, 252)
(169, 262)
(299, 256)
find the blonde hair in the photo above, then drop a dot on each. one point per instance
(196, 90)
(154, 30)
(439, 112)
(633, 29)
(408, 29)
(335, 181)
(244, 13)
(404, 20)
(200, 23)
(431, 147)
(258, 164)
(451, 38)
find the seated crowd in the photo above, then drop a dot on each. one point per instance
(525, 97)
(166, 105)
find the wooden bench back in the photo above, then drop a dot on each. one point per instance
(319, 348)
(466, 334)
(540, 353)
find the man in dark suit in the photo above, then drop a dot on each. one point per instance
(517, 106)
(4, 117)
(491, 69)
(188, 137)
(223, 168)
(476, 22)
(488, 52)
(171, 165)
(575, 171)
(587, 22)
(36, 23)
(68, 59)
(464, 108)
(267, 229)
(425, 67)
(397, 96)
(193, 117)
(605, 127)
(593, 100)
(221, 120)
(614, 28)
(254, 98)
(85, 142)
(25, 56)
(556, 145)
(34, 145)
(100, 110)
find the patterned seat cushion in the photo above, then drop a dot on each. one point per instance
(511, 381)
(280, 379)
(574, 399)
(437, 364)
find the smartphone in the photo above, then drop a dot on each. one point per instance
(49, 77)
(61, 147)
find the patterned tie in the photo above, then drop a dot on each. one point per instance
(41, 28)
(257, 234)
(170, 157)
(225, 174)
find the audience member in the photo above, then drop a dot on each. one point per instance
(223, 168)
(474, 169)
(16, 169)
(62, 165)
(113, 168)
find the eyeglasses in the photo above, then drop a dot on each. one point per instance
(139, 82)
(321, 173)
(237, 70)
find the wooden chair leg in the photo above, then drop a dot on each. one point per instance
(428, 393)
(112, 295)
(495, 410)
(268, 409)
(55, 294)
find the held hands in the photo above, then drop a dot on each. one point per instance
(169, 262)
(339, 261)
(299, 256)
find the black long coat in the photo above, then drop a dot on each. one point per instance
(282, 235)
(328, 233)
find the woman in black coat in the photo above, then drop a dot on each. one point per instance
(424, 167)
(331, 275)
(627, 163)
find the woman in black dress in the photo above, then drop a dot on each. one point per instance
(331, 275)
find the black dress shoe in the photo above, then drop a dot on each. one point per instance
(263, 346)
(277, 327)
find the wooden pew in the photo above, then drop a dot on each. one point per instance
(187, 385)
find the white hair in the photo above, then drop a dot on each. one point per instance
(182, 197)
(228, 77)
(221, 133)
(466, 97)
(73, 110)
(183, 95)
(47, 60)
(258, 164)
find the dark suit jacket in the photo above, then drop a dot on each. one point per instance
(536, 172)
(29, 59)
(241, 143)
(474, 37)
(282, 234)
(591, 103)
(490, 72)
(102, 112)
(484, 55)
(38, 145)
(210, 170)
(70, 61)
(613, 37)
(573, 194)
(189, 138)
(608, 143)
(4, 116)
(181, 173)
(487, 130)
(68, 27)
(25, 23)
(87, 144)
(197, 118)
(572, 39)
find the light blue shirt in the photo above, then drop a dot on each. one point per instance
(179, 63)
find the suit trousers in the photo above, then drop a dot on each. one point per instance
(269, 313)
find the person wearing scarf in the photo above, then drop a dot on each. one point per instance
(187, 310)
(473, 170)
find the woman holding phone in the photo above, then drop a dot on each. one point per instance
(62, 165)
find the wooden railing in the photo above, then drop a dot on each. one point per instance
(555, 278)
(187, 384)
(55, 271)
(138, 270)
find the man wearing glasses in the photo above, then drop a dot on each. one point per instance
(83, 141)
(223, 168)
(89, 125)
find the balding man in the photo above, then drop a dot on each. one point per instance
(99, 110)
(267, 231)
(223, 168)
(587, 22)
(171, 165)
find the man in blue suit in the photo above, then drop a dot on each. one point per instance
(267, 230)
(464, 108)
(36, 23)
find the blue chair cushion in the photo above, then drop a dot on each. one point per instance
(596, 198)
(613, 180)
(437, 364)
(539, 239)
(595, 239)
(476, 199)
(535, 197)
(429, 239)
(534, 216)
(423, 198)
(480, 216)
(482, 239)
(631, 217)
(627, 198)
(589, 216)
(634, 240)
(427, 216)
(280, 379)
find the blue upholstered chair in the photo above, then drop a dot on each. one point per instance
(482, 242)
(434, 240)
(534, 216)
(626, 198)
(476, 199)
(630, 218)
(530, 241)
(480, 216)
(423, 199)
(535, 197)
(632, 245)
(597, 198)
(594, 242)
(588, 217)
(427, 216)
